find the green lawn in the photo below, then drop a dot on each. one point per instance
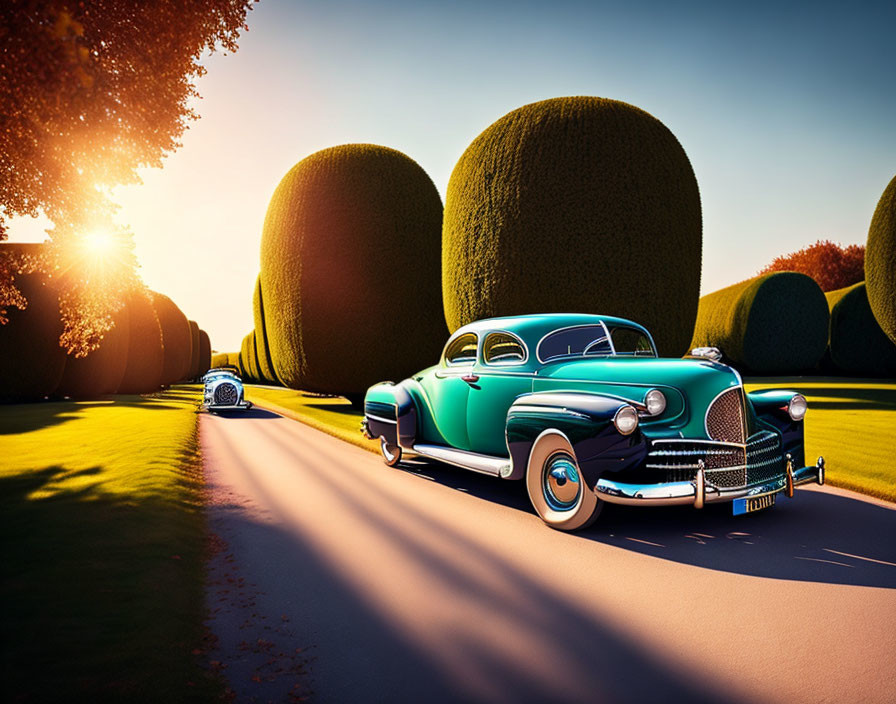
(852, 422)
(102, 550)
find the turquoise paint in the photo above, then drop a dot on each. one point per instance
(473, 416)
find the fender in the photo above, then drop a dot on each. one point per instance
(586, 419)
(770, 407)
(390, 412)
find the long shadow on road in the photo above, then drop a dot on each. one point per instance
(816, 536)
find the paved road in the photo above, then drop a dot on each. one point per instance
(355, 582)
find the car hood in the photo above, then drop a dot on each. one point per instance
(690, 385)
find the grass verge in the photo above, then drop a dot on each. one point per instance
(851, 422)
(331, 414)
(103, 547)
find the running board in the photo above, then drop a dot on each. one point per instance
(484, 464)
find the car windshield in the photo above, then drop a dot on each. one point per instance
(631, 342)
(595, 341)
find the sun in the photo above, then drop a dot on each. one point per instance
(99, 243)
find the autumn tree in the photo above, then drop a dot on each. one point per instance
(91, 91)
(832, 265)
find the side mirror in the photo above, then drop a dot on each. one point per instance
(712, 353)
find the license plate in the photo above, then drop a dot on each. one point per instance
(751, 504)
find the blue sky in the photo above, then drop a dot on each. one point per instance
(787, 114)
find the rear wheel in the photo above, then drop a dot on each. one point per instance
(391, 453)
(556, 486)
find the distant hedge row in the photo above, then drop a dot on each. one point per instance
(151, 345)
(773, 324)
(858, 345)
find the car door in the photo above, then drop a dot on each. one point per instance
(502, 376)
(447, 391)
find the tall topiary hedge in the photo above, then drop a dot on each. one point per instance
(857, 344)
(233, 359)
(219, 359)
(576, 204)
(247, 363)
(772, 324)
(205, 352)
(146, 352)
(194, 350)
(31, 360)
(102, 371)
(350, 270)
(176, 338)
(265, 362)
(880, 261)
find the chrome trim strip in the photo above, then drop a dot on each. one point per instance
(484, 464)
(503, 364)
(381, 419)
(544, 409)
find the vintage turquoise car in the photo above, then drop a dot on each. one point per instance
(583, 409)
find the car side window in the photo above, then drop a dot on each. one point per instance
(462, 350)
(502, 348)
(578, 341)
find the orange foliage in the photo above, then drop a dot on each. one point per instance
(830, 264)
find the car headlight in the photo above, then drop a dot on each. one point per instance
(797, 407)
(655, 402)
(626, 420)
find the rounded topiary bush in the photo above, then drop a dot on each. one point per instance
(880, 262)
(265, 362)
(194, 350)
(350, 262)
(205, 352)
(102, 370)
(577, 204)
(146, 351)
(248, 362)
(772, 324)
(857, 343)
(176, 338)
(31, 360)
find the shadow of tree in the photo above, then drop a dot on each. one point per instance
(102, 592)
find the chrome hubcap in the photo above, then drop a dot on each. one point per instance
(562, 484)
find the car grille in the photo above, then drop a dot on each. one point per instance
(226, 395)
(725, 466)
(725, 417)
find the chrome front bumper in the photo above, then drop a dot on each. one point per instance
(698, 493)
(241, 406)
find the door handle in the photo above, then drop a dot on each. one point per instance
(470, 378)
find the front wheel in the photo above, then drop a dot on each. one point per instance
(391, 453)
(556, 487)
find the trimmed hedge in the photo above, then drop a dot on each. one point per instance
(858, 346)
(194, 351)
(880, 262)
(350, 261)
(176, 338)
(219, 359)
(265, 362)
(146, 353)
(772, 324)
(247, 363)
(577, 204)
(233, 359)
(102, 371)
(31, 361)
(205, 353)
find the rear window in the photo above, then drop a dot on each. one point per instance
(582, 341)
(462, 350)
(503, 348)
